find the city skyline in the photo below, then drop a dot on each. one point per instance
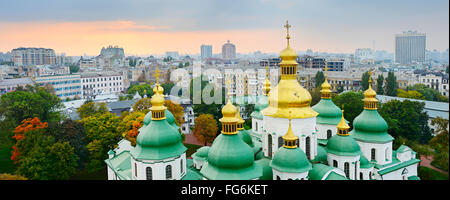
(154, 27)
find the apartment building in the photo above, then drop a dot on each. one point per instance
(95, 83)
(65, 86)
(33, 56)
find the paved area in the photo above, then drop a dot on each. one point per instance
(426, 162)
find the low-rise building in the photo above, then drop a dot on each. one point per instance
(96, 83)
(65, 86)
(9, 85)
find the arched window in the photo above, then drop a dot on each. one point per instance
(370, 175)
(181, 166)
(372, 154)
(347, 169)
(308, 146)
(329, 134)
(168, 172)
(298, 143)
(356, 169)
(361, 177)
(135, 169)
(269, 144)
(278, 178)
(256, 126)
(335, 163)
(149, 173)
(387, 154)
(280, 142)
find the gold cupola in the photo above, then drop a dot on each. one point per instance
(266, 86)
(240, 124)
(289, 95)
(158, 109)
(370, 100)
(343, 127)
(290, 139)
(326, 87)
(157, 88)
(229, 120)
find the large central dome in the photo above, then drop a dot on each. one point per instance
(289, 95)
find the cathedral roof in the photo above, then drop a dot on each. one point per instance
(329, 113)
(201, 153)
(343, 146)
(369, 126)
(292, 160)
(264, 163)
(243, 134)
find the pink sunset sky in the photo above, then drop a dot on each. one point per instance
(154, 27)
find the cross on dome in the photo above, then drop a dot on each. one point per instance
(287, 26)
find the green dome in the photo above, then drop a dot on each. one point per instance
(201, 153)
(329, 113)
(158, 140)
(290, 160)
(261, 104)
(267, 170)
(364, 163)
(343, 146)
(321, 155)
(369, 126)
(229, 158)
(318, 171)
(243, 134)
(169, 118)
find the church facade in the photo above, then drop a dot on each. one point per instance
(289, 140)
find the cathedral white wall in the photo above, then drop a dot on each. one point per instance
(159, 168)
(123, 145)
(398, 174)
(198, 164)
(111, 174)
(383, 152)
(322, 131)
(302, 128)
(288, 176)
(353, 161)
(366, 173)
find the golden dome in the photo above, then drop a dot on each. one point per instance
(290, 138)
(342, 124)
(370, 100)
(289, 95)
(158, 89)
(229, 112)
(157, 100)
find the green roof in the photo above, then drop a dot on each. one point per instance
(243, 134)
(201, 153)
(264, 163)
(322, 142)
(329, 113)
(192, 175)
(369, 126)
(364, 163)
(261, 103)
(343, 146)
(335, 176)
(229, 158)
(318, 171)
(403, 148)
(399, 166)
(158, 140)
(413, 178)
(321, 155)
(292, 160)
(121, 165)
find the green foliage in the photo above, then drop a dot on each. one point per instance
(167, 87)
(440, 143)
(391, 85)
(91, 108)
(412, 94)
(143, 105)
(101, 136)
(430, 94)
(168, 59)
(352, 102)
(29, 102)
(315, 95)
(143, 89)
(426, 173)
(319, 78)
(132, 62)
(406, 119)
(74, 69)
(365, 81)
(380, 82)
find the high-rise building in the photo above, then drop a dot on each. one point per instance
(228, 51)
(33, 56)
(206, 51)
(410, 47)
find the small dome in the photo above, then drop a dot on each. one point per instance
(370, 93)
(326, 86)
(329, 113)
(292, 160)
(202, 152)
(169, 118)
(230, 152)
(157, 100)
(158, 89)
(343, 146)
(369, 126)
(243, 134)
(288, 56)
(229, 113)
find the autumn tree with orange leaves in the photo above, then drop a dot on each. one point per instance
(27, 125)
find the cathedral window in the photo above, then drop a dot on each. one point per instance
(361, 176)
(328, 134)
(269, 144)
(280, 142)
(149, 173)
(181, 166)
(308, 146)
(335, 163)
(372, 154)
(168, 172)
(135, 169)
(347, 169)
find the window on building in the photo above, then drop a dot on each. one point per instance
(269, 144)
(361, 177)
(135, 169)
(149, 173)
(280, 142)
(335, 163)
(181, 166)
(308, 146)
(372, 154)
(169, 172)
(347, 169)
(329, 134)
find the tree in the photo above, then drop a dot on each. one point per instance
(74, 69)
(143, 89)
(129, 125)
(91, 108)
(380, 82)
(440, 143)
(71, 131)
(101, 136)
(407, 119)
(53, 162)
(319, 78)
(365, 81)
(430, 94)
(205, 128)
(352, 103)
(315, 95)
(143, 105)
(11, 177)
(412, 94)
(177, 111)
(29, 102)
(22, 147)
(391, 85)
(167, 87)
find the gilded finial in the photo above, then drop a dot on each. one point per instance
(156, 74)
(287, 26)
(343, 126)
(370, 77)
(326, 70)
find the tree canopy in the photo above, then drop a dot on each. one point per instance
(91, 108)
(365, 81)
(319, 78)
(352, 102)
(205, 128)
(391, 84)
